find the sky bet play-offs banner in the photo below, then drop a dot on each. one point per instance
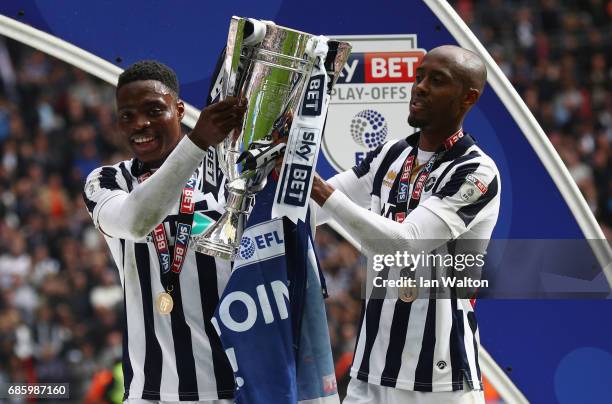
(549, 362)
(369, 101)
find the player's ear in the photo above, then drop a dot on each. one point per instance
(180, 109)
(470, 97)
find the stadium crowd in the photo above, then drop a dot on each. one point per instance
(60, 298)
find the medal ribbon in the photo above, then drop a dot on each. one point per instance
(171, 267)
(405, 206)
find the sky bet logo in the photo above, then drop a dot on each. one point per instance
(296, 176)
(313, 98)
(378, 76)
(180, 246)
(381, 67)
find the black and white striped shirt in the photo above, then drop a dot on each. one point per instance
(430, 344)
(178, 356)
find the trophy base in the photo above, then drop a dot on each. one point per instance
(209, 247)
(222, 239)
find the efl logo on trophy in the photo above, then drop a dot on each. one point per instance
(369, 103)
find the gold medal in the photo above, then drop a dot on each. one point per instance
(164, 303)
(408, 294)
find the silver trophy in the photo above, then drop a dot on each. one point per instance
(268, 65)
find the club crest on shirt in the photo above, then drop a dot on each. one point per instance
(430, 183)
(472, 189)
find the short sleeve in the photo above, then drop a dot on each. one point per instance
(102, 184)
(470, 194)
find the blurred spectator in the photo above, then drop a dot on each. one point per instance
(558, 55)
(60, 300)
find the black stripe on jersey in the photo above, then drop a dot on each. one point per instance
(361, 316)
(456, 180)
(364, 167)
(372, 318)
(207, 278)
(108, 178)
(89, 203)
(171, 231)
(185, 362)
(390, 157)
(397, 340)
(471, 155)
(126, 363)
(458, 356)
(423, 375)
(153, 354)
(474, 326)
(126, 176)
(469, 212)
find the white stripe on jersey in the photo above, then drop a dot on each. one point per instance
(469, 348)
(414, 336)
(442, 375)
(378, 355)
(194, 318)
(163, 332)
(135, 324)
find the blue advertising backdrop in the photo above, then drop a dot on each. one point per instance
(553, 349)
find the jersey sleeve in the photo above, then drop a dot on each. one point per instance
(421, 231)
(102, 184)
(132, 215)
(357, 183)
(469, 194)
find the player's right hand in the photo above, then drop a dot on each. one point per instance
(217, 120)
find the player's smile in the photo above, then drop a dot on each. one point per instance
(149, 118)
(417, 104)
(144, 143)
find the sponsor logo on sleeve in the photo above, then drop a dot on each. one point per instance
(472, 189)
(92, 187)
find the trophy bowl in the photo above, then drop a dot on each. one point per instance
(268, 65)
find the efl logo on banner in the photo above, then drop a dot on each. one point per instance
(369, 103)
(261, 242)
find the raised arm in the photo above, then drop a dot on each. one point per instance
(132, 215)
